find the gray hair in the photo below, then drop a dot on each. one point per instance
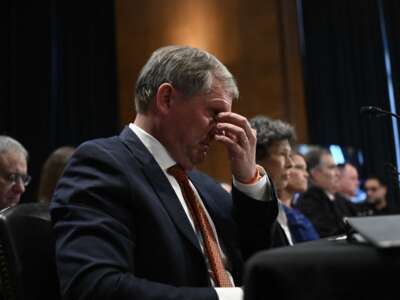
(190, 70)
(8, 144)
(269, 131)
(313, 158)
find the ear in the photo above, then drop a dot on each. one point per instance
(164, 97)
(313, 173)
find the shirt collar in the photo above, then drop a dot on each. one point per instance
(156, 149)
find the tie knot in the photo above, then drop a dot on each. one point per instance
(177, 171)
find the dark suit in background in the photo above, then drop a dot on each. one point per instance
(322, 212)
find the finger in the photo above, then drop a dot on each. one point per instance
(234, 132)
(238, 120)
(234, 149)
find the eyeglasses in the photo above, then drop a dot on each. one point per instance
(14, 178)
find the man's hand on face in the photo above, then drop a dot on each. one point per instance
(240, 140)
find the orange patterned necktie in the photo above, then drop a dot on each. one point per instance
(202, 224)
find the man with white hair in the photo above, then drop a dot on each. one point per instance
(13, 171)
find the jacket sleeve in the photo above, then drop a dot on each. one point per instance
(255, 219)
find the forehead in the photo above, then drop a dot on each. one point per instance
(218, 96)
(280, 145)
(350, 170)
(327, 159)
(12, 161)
(298, 159)
(371, 182)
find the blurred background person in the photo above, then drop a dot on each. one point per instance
(300, 226)
(318, 202)
(274, 139)
(376, 202)
(348, 186)
(297, 181)
(51, 172)
(13, 171)
(349, 182)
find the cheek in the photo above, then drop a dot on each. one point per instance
(2, 188)
(281, 165)
(4, 191)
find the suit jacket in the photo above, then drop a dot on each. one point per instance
(345, 206)
(121, 232)
(321, 211)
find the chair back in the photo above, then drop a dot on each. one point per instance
(27, 258)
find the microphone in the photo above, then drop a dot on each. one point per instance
(376, 112)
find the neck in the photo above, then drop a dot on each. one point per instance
(286, 197)
(148, 124)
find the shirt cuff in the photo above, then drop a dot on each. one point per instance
(235, 293)
(256, 190)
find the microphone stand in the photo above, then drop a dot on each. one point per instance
(393, 175)
(392, 170)
(377, 112)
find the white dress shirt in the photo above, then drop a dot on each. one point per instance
(283, 222)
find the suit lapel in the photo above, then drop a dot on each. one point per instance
(161, 185)
(214, 210)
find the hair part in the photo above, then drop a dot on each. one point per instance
(190, 70)
(270, 131)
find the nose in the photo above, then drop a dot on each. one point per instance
(289, 162)
(19, 187)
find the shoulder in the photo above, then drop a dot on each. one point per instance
(313, 197)
(207, 182)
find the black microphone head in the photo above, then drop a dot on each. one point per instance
(368, 110)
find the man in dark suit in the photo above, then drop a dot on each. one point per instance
(347, 189)
(124, 226)
(318, 203)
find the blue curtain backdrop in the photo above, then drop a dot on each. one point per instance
(58, 83)
(344, 69)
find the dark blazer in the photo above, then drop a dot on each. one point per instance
(345, 206)
(322, 212)
(121, 232)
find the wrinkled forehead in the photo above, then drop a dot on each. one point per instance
(12, 161)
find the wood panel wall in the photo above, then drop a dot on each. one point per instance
(256, 39)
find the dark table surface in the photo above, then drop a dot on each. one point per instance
(325, 269)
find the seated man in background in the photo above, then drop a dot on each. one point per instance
(274, 140)
(13, 171)
(318, 202)
(375, 203)
(132, 217)
(51, 172)
(300, 226)
(347, 189)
